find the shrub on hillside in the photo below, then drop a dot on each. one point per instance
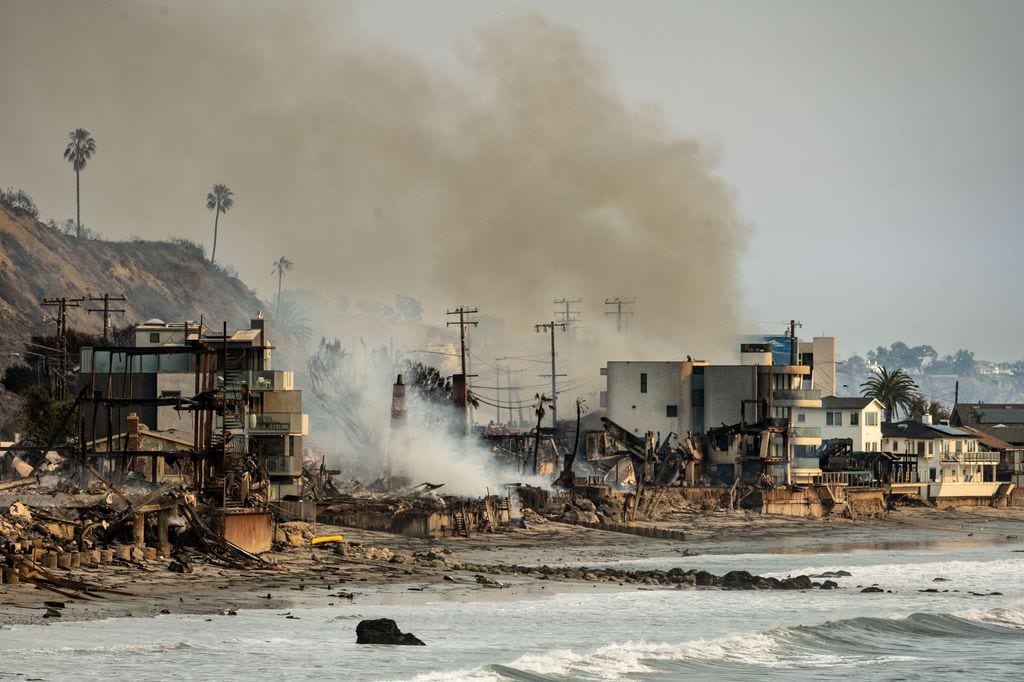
(20, 202)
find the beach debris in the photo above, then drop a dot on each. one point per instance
(326, 539)
(384, 631)
(488, 582)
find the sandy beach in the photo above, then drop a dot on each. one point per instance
(380, 568)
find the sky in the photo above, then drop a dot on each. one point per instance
(856, 166)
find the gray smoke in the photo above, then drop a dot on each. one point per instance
(523, 178)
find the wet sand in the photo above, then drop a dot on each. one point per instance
(383, 568)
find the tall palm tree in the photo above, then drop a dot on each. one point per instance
(895, 389)
(78, 151)
(542, 400)
(219, 201)
(281, 265)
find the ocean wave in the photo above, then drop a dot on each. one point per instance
(840, 644)
(150, 648)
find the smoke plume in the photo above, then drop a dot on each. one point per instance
(523, 177)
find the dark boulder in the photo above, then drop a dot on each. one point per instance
(705, 579)
(740, 580)
(801, 582)
(384, 631)
(873, 588)
(829, 585)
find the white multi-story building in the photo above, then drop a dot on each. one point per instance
(949, 462)
(856, 419)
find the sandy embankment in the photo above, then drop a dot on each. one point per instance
(302, 577)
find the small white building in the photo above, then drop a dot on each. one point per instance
(858, 419)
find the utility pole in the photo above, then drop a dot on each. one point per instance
(62, 304)
(791, 333)
(554, 392)
(508, 386)
(462, 393)
(619, 313)
(106, 310)
(567, 314)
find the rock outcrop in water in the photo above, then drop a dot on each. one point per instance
(676, 577)
(384, 631)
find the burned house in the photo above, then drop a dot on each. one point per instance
(184, 383)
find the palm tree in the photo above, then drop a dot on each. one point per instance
(895, 389)
(219, 201)
(78, 151)
(542, 400)
(281, 265)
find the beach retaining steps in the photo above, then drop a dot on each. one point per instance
(642, 531)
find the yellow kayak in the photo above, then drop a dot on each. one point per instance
(326, 538)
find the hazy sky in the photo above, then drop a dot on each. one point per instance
(872, 148)
(876, 147)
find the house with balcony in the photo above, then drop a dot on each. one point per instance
(857, 420)
(166, 368)
(946, 464)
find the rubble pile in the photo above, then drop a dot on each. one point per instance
(579, 509)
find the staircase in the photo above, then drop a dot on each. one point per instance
(459, 525)
(1000, 498)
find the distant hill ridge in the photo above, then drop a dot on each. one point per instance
(167, 280)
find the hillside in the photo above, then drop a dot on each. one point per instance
(170, 281)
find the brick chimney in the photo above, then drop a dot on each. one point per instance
(133, 431)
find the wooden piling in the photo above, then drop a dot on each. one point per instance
(139, 533)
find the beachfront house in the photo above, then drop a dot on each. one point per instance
(1003, 427)
(950, 465)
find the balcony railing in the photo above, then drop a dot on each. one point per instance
(971, 457)
(806, 432)
(795, 394)
(283, 466)
(273, 422)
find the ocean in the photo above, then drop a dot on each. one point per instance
(598, 632)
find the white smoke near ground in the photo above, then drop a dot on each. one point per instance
(426, 449)
(350, 400)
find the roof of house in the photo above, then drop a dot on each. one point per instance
(910, 428)
(988, 440)
(851, 403)
(1010, 433)
(988, 413)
